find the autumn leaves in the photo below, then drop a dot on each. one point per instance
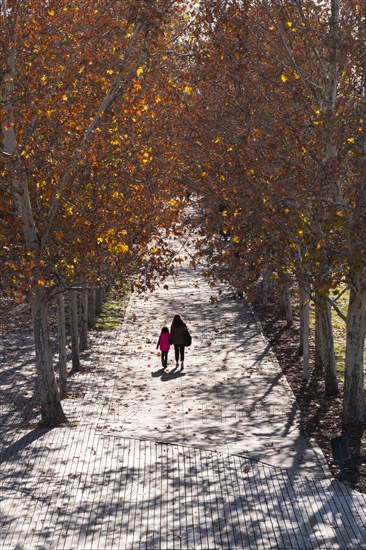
(111, 112)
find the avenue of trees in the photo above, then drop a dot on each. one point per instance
(112, 112)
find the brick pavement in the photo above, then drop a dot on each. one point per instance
(210, 457)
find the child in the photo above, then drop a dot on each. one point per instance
(164, 343)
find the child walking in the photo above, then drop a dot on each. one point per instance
(164, 344)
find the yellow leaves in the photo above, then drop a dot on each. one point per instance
(64, 97)
(188, 90)
(69, 209)
(217, 140)
(288, 24)
(351, 140)
(303, 150)
(285, 77)
(236, 239)
(51, 13)
(27, 153)
(154, 250)
(120, 248)
(318, 113)
(139, 71)
(117, 195)
(146, 158)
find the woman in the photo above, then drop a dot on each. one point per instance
(177, 336)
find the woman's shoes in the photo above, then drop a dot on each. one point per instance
(182, 365)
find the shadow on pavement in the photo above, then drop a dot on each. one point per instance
(22, 443)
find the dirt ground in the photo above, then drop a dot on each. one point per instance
(322, 416)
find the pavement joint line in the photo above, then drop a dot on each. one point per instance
(145, 490)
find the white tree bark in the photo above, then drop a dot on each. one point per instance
(265, 287)
(74, 328)
(91, 307)
(51, 409)
(98, 300)
(354, 391)
(62, 359)
(84, 319)
(324, 345)
(305, 335)
(286, 305)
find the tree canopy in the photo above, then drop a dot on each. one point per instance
(113, 112)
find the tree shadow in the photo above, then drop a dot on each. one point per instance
(154, 495)
(15, 448)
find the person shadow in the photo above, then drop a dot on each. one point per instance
(158, 373)
(170, 375)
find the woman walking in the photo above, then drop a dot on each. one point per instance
(177, 335)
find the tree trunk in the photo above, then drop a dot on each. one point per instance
(51, 409)
(325, 354)
(84, 319)
(286, 306)
(265, 288)
(354, 392)
(318, 358)
(75, 351)
(98, 300)
(301, 315)
(62, 362)
(91, 307)
(305, 335)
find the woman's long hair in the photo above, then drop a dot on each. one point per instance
(177, 321)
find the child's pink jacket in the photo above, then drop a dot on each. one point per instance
(164, 342)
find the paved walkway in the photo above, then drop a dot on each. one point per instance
(210, 457)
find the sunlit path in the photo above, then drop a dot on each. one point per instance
(208, 457)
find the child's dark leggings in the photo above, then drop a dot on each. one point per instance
(179, 351)
(164, 358)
